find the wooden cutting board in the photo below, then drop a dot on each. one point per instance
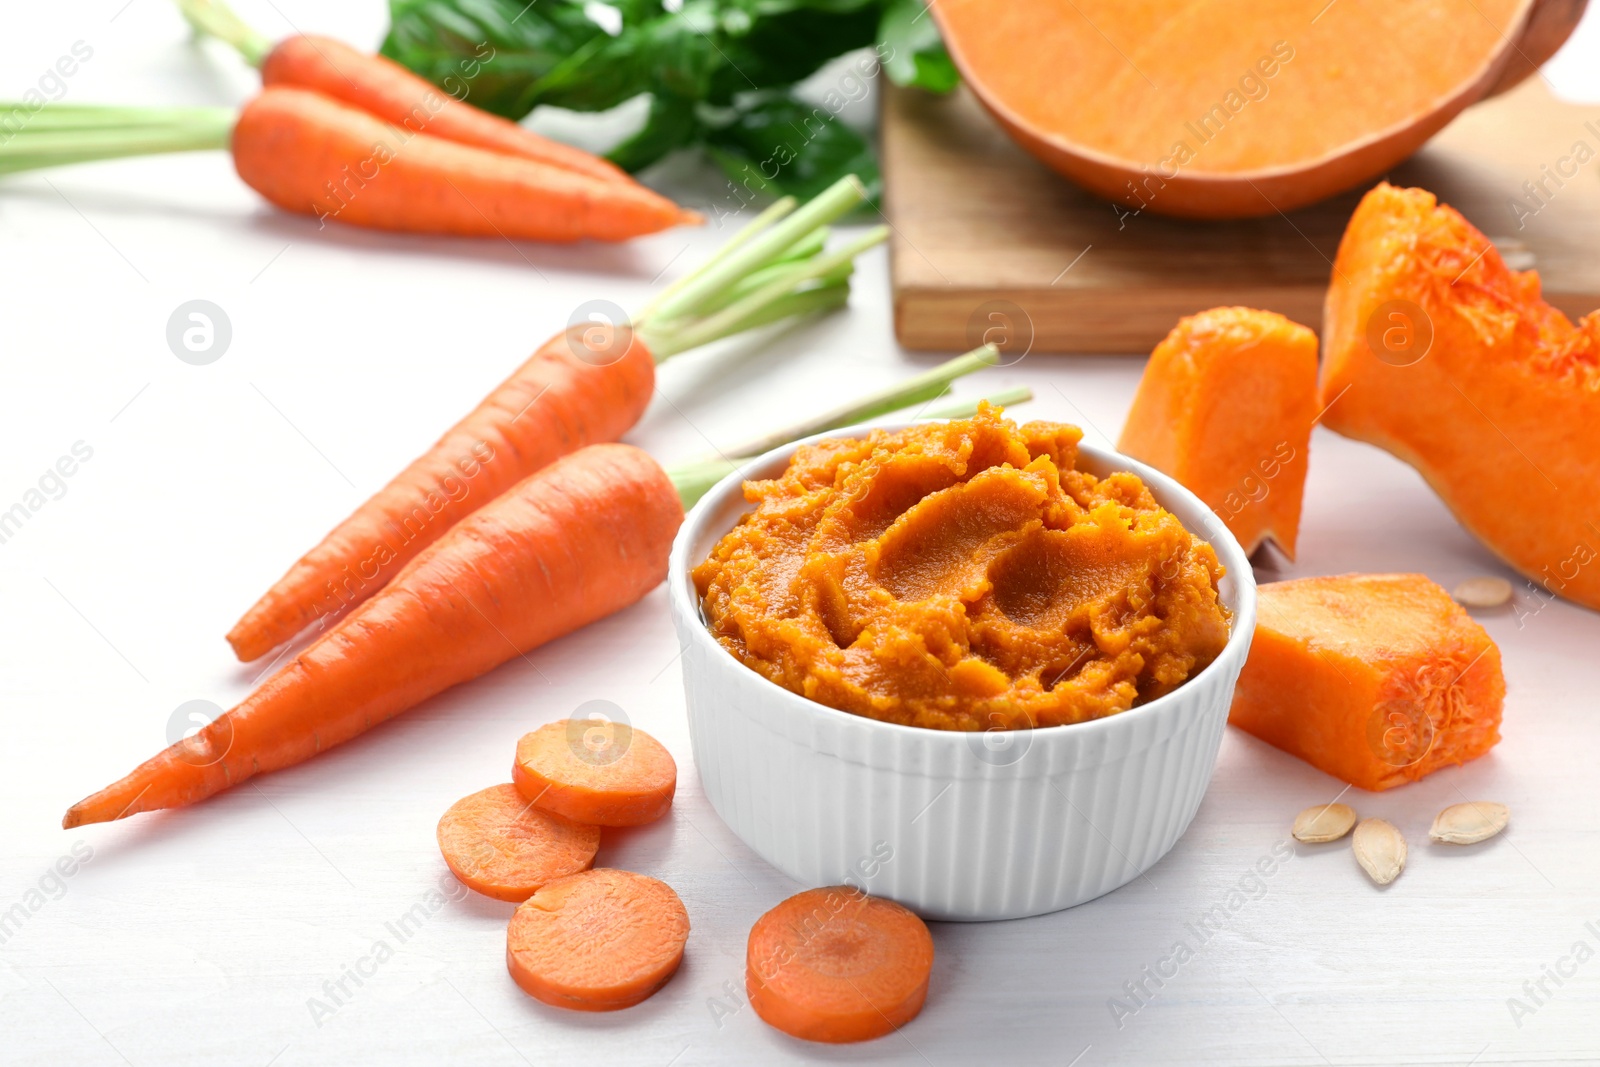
(988, 244)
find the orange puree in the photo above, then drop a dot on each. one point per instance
(963, 576)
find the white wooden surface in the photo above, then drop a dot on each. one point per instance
(206, 936)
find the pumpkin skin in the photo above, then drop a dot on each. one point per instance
(1549, 25)
(1225, 406)
(1435, 351)
(1212, 109)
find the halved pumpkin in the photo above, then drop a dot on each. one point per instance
(1437, 352)
(1225, 406)
(1216, 109)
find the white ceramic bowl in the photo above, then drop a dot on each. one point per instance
(963, 826)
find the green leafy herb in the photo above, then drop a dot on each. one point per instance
(719, 73)
(784, 146)
(498, 51)
(674, 123)
(913, 51)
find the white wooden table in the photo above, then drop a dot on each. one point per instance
(212, 935)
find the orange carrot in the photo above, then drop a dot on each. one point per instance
(572, 543)
(343, 134)
(317, 156)
(582, 387)
(498, 844)
(586, 385)
(597, 941)
(382, 87)
(838, 965)
(605, 773)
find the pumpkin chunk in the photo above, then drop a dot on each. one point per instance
(1377, 679)
(1439, 353)
(1226, 406)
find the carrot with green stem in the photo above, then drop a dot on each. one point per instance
(386, 90)
(345, 135)
(62, 134)
(585, 385)
(571, 543)
(316, 155)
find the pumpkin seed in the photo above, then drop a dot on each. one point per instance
(1467, 824)
(1380, 849)
(1325, 822)
(1486, 591)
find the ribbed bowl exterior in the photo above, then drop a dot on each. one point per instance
(959, 826)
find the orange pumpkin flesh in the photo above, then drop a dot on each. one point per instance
(1226, 406)
(1437, 352)
(1224, 110)
(1376, 679)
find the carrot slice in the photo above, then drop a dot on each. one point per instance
(838, 965)
(607, 773)
(498, 844)
(597, 941)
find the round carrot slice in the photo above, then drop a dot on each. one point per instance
(838, 965)
(596, 771)
(597, 941)
(498, 844)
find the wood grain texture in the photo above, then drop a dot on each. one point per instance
(988, 244)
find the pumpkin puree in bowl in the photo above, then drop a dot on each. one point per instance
(963, 576)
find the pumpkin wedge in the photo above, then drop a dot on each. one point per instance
(1213, 109)
(1225, 406)
(1437, 352)
(1376, 679)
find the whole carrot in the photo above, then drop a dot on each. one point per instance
(385, 89)
(573, 543)
(382, 87)
(586, 536)
(318, 156)
(341, 134)
(574, 391)
(585, 385)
